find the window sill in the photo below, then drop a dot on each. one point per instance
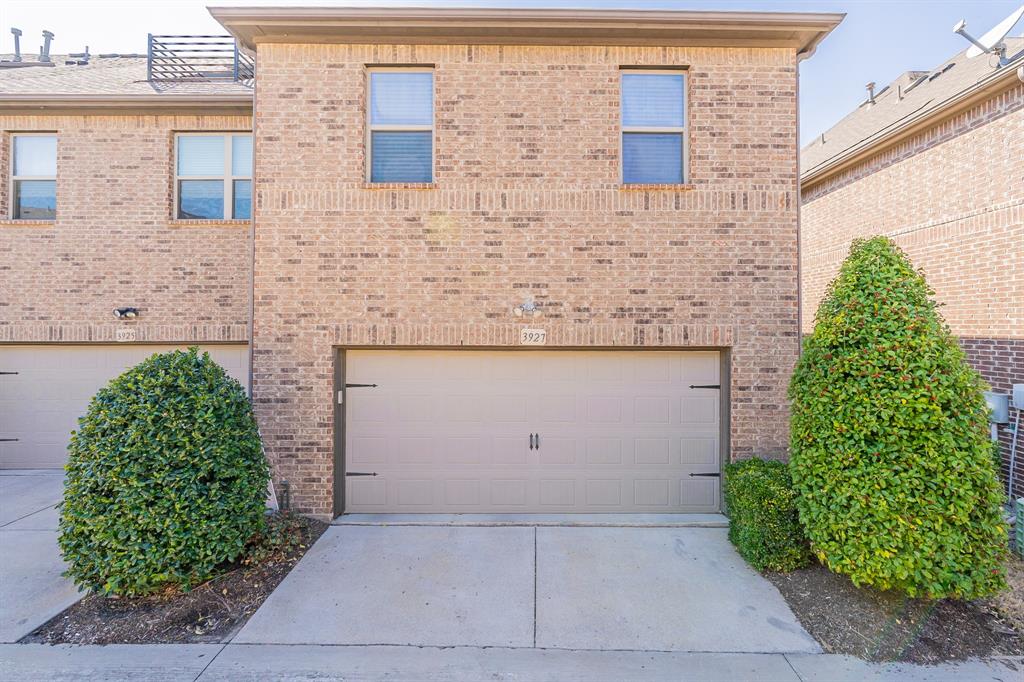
(18, 222)
(208, 222)
(399, 185)
(674, 187)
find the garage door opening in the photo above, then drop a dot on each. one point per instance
(520, 432)
(49, 387)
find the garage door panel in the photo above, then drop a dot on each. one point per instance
(41, 405)
(699, 410)
(652, 410)
(701, 452)
(619, 431)
(413, 451)
(558, 409)
(653, 451)
(509, 493)
(604, 451)
(651, 492)
(655, 369)
(414, 408)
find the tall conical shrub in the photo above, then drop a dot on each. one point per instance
(890, 451)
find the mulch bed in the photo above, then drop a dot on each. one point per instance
(887, 626)
(212, 612)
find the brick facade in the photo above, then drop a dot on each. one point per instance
(526, 203)
(952, 196)
(114, 243)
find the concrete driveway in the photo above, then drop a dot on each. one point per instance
(32, 589)
(581, 588)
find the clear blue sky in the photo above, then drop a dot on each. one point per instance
(879, 39)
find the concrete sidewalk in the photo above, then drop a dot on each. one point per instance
(32, 589)
(235, 662)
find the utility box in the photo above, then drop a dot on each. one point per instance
(1018, 396)
(999, 403)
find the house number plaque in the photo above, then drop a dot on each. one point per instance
(125, 334)
(533, 337)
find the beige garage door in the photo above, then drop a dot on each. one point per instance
(41, 404)
(532, 431)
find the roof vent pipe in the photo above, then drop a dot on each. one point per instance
(44, 51)
(871, 92)
(17, 44)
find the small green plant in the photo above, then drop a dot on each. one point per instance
(889, 441)
(763, 522)
(166, 478)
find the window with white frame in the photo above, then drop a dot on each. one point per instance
(34, 177)
(213, 178)
(400, 138)
(653, 126)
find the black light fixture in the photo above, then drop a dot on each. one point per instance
(126, 313)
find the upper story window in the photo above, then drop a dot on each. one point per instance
(214, 176)
(653, 127)
(401, 125)
(34, 177)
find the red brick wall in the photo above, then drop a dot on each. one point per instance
(114, 243)
(953, 198)
(526, 203)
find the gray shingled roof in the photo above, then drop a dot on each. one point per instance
(102, 76)
(922, 91)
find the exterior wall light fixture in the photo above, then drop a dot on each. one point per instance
(528, 308)
(126, 313)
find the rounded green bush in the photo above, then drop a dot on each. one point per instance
(889, 440)
(763, 521)
(166, 478)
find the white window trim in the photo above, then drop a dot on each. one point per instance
(14, 179)
(371, 127)
(682, 130)
(228, 178)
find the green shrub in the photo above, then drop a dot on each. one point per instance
(166, 478)
(763, 523)
(889, 440)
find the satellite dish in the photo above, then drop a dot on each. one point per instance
(991, 42)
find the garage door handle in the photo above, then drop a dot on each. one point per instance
(531, 441)
(713, 474)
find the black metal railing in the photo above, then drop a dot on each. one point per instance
(197, 59)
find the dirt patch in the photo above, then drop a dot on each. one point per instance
(212, 612)
(887, 626)
(1010, 604)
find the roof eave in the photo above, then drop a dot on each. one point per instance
(422, 25)
(999, 81)
(149, 103)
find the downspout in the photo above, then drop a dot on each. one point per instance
(252, 224)
(799, 215)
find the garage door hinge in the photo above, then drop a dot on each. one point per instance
(705, 385)
(713, 474)
(360, 473)
(341, 394)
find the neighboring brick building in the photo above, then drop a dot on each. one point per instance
(114, 240)
(528, 193)
(935, 163)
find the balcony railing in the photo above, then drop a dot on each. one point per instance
(197, 59)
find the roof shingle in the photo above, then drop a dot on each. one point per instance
(913, 94)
